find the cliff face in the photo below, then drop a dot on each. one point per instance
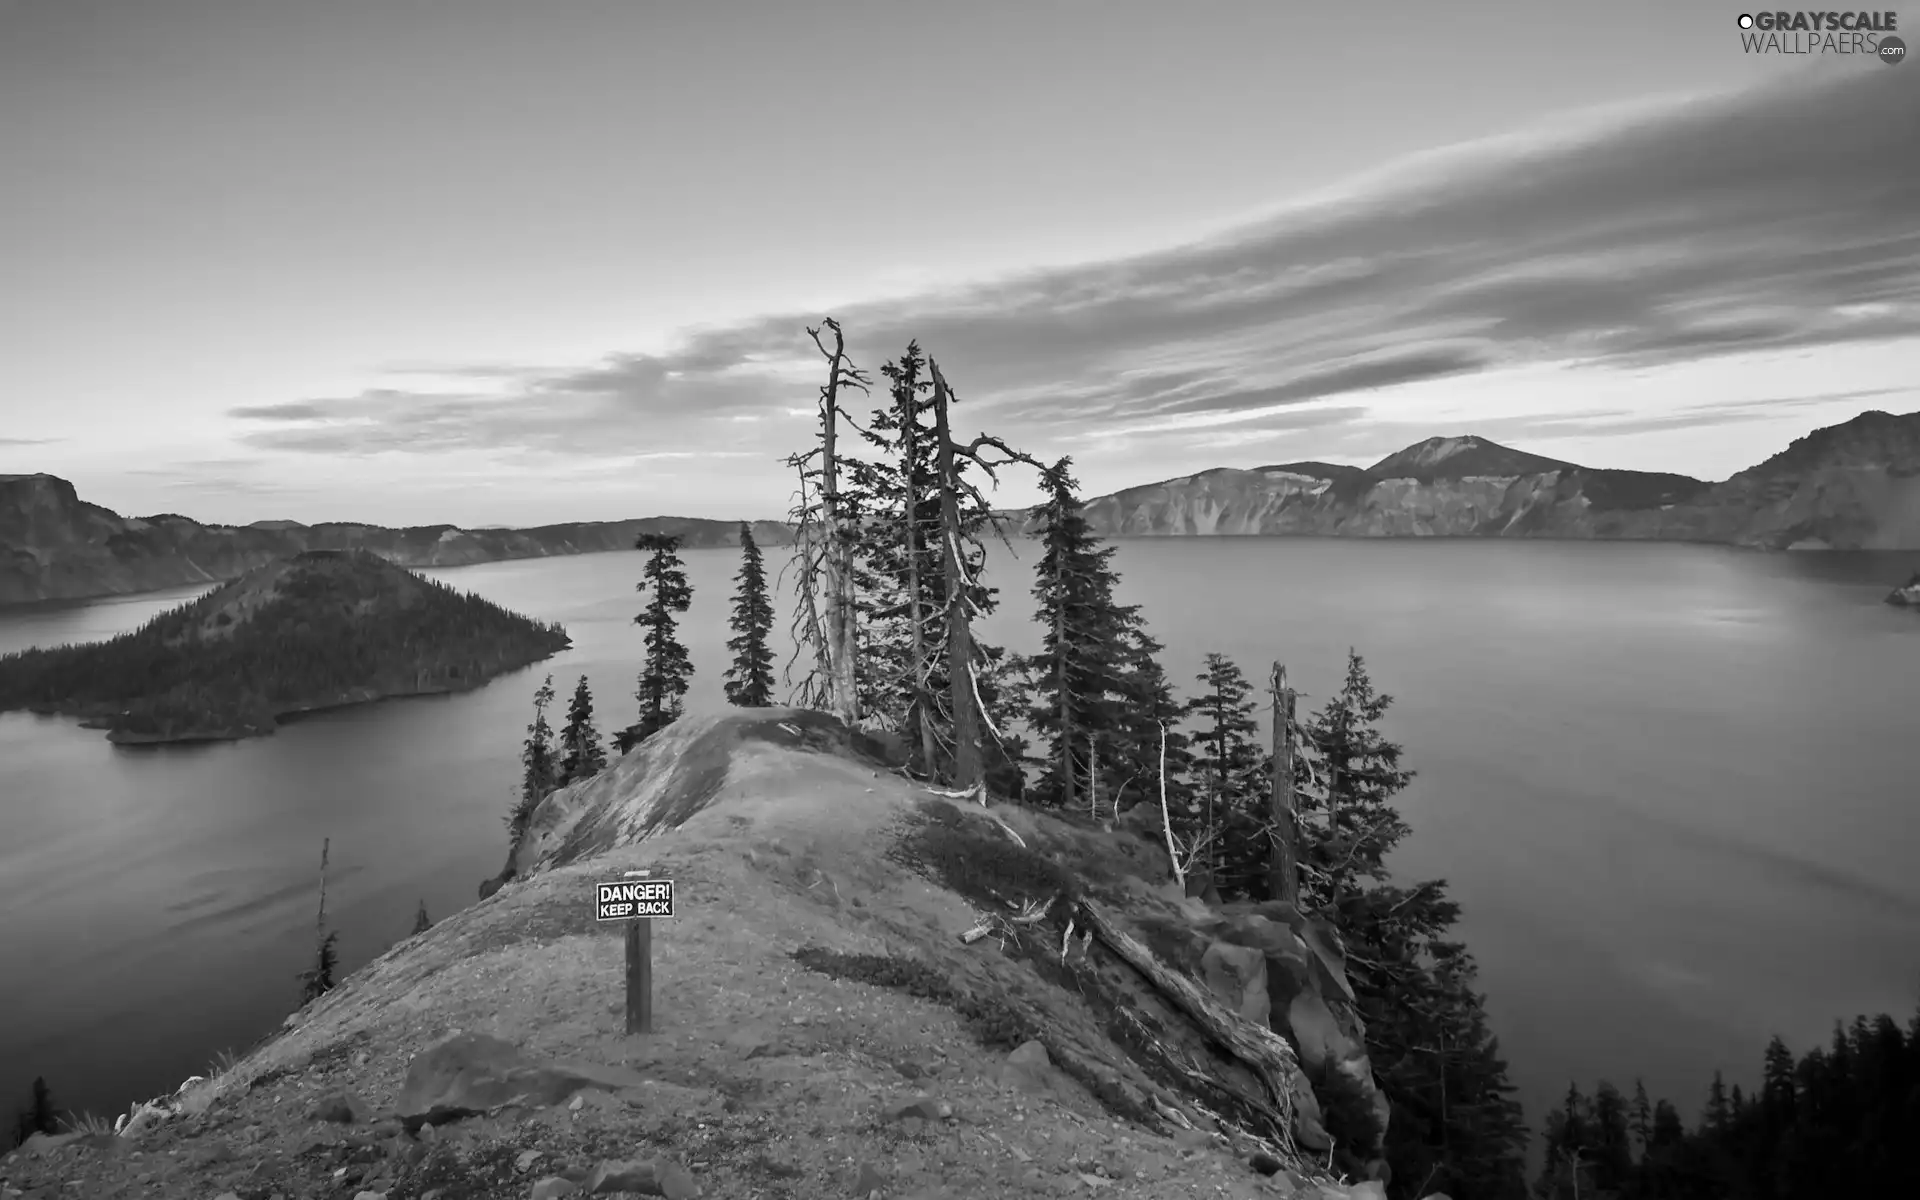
(55, 546)
(821, 1023)
(1851, 486)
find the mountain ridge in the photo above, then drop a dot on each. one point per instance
(1851, 486)
(56, 546)
(1855, 485)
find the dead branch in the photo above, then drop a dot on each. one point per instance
(1263, 1051)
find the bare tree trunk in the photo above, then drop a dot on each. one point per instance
(1285, 881)
(842, 691)
(1093, 777)
(1060, 677)
(320, 921)
(966, 720)
(1166, 817)
(1264, 1052)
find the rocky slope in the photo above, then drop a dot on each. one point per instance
(319, 630)
(56, 546)
(825, 1024)
(1851, 486)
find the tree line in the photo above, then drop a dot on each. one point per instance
(1839, 1120)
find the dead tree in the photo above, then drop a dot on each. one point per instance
(966, 710)
(828, 546)
(1285, 879)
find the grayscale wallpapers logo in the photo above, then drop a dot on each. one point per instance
(1797, 33)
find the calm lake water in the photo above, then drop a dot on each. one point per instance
(1675, 788)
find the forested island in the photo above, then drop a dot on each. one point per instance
(318, 630)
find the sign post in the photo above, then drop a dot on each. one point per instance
(637, 900)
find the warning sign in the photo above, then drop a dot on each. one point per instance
(633, 898)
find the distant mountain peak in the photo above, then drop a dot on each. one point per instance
(1459, 456)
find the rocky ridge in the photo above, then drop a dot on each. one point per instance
(1854, 486)
(828, 1020)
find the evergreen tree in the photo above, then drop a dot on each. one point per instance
(1427, 1033)
(539, 773)
(1350, 826)
(318, 980)
(421, 922)
(1079, 678)
(39, 1116)
(1612, 1140)
(663, 680)
(581, 755)
(749, 681)
(1231, 779)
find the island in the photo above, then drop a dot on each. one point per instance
(317, 630)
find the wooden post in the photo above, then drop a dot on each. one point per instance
(640, 971)
(1285, 882)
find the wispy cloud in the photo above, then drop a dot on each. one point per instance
(19, 441)
(1781, 218)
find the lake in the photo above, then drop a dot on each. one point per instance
(1674, 788)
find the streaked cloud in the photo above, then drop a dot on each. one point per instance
(1630, 240)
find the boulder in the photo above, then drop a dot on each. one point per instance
(471, 1073)
(1238, 975)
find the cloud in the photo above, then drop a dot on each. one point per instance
(14, 441)
(1771, 219)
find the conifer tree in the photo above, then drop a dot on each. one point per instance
(581, 754)
(1079, 677)
(1426, 1028)
(422, 922)
(664, 678)
(749, 681)
(1230, 777)
(538, 770)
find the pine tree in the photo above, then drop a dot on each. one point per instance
(1078, 679)
(539, 773)
(422, 922)
(1357, 827)
(1426, 1027)
(1230, 775)
(581, 755)
(749, 681)
(663, 680)
(1612, 1141)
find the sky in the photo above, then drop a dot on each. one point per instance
(486, 262)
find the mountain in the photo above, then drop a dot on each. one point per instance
(319, 630)
(56, 546)
(1849, 486)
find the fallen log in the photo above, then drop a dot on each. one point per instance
(1264, 1052)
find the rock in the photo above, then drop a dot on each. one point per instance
(1436, 1196)
(867, 1181)
(1329, 957)
(340, 1108)
(1907, 595)
(553, 1187)
(1030, 1069)
(1265, 1164)
(1369, 1190)
(525, 1160)
(471, 1073)
(924, 1108)
(647, 1177)
(1238, 975)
